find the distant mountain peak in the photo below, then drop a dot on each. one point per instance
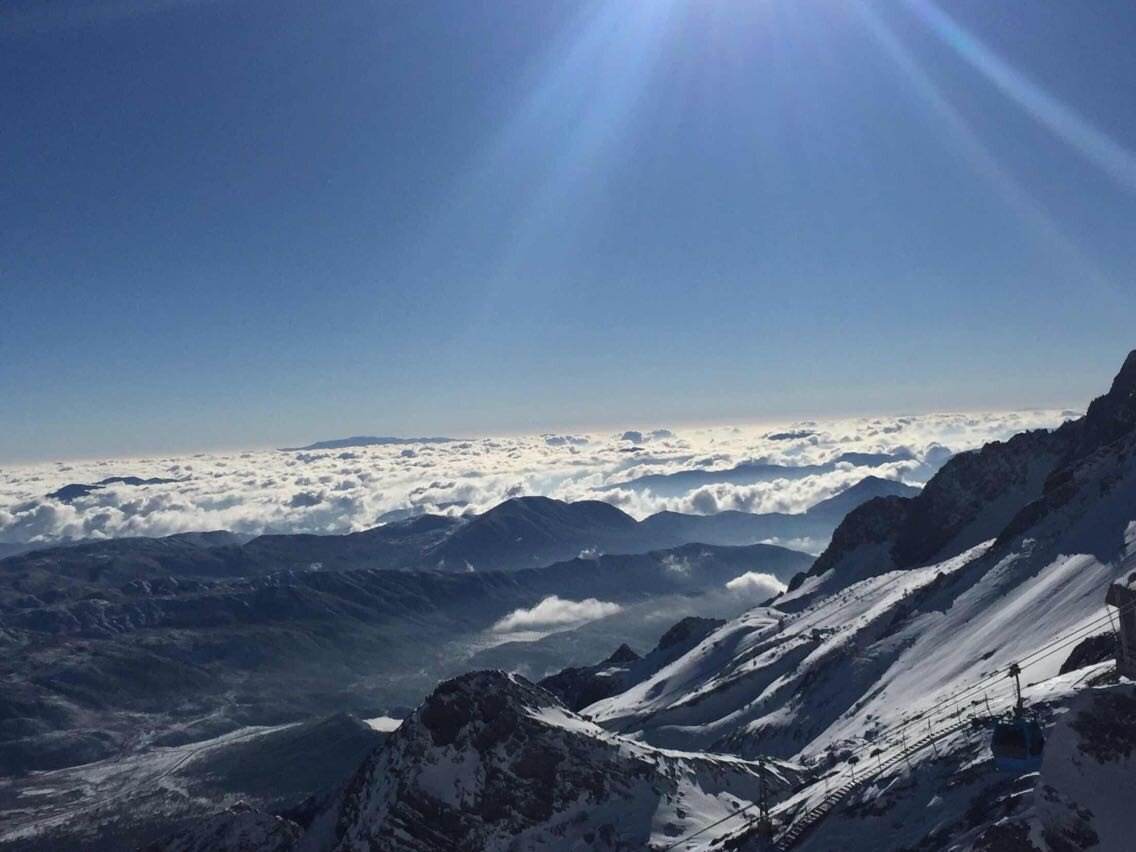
(622, 654)
(75, 490)
(1108, 417)
(693, 626)
(551, 507)
(366, 441)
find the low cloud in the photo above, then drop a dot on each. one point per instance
(565, 440)
(554, 611)
(346, 491)
(678, 565)
(756, 585)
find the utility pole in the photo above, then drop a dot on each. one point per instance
(764, 823)
(1015, 673)
(1120, 649)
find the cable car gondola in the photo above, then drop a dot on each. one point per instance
(1018, 741)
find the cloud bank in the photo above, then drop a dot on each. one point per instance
(756, 585)
(556, 612)
(344, 490)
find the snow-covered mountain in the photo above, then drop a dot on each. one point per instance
(874, 638)
(868, 689)
(491, 761)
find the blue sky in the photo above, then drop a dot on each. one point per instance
(228, 224)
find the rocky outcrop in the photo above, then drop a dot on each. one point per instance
(688, 632)
(974, 496)
(581, 686)
(1108, 418)
(873, 523)
(492, 761)
(1090, 651)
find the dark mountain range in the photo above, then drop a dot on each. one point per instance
(525, 532)
(529, 531)
(13, 548)
(730, 527)
(365, 441)
(209, 626)
(748, 473)
(77, 489)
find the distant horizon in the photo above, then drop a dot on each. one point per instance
(602, 430)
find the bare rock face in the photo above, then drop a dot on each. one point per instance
(1090, 651)
(580, 686)
(996, 492)
(687, 632)
(1109, 417)
(875, 522)
(974, 496)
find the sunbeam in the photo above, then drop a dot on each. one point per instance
(1046, 230)
(584, 95)
(1089, 141)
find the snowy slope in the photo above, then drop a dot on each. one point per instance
(857, 660)
(949, 795)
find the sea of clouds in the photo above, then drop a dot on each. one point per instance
(355, 488)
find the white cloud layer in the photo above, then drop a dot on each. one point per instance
(554, 611)
(359, 487)
(757, 585)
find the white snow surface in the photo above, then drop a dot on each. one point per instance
(384, 724)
